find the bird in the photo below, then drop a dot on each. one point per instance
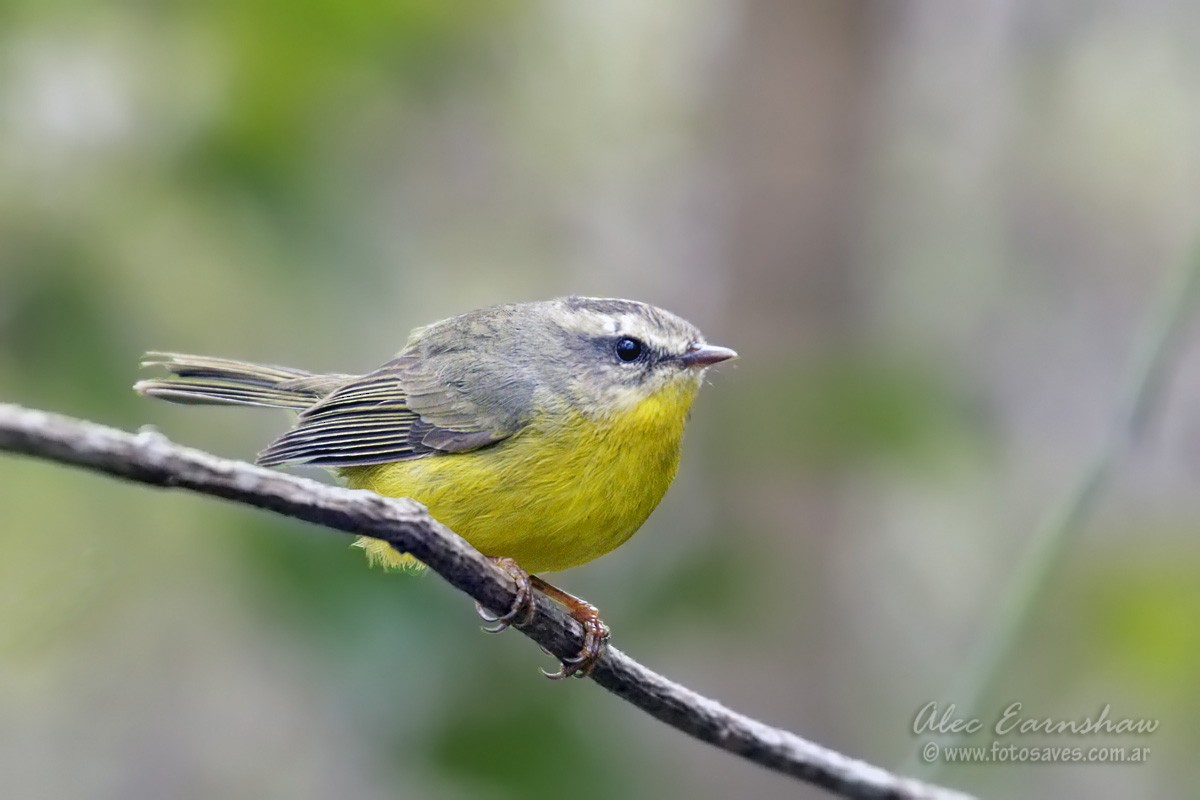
(544, 433)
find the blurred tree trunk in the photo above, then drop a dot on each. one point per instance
(791, 155)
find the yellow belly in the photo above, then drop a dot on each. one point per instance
(554, 495)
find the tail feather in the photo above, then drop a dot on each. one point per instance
(203, 380)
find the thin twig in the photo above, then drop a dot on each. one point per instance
(150, 458)
(1176, 301)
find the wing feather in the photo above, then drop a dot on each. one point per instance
(406, 409)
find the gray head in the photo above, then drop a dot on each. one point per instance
(602, 355)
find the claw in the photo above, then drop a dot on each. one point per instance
(595, 633)
(595, 637)
(522, 606)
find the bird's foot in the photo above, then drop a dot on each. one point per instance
(595, 633)
(521, 611)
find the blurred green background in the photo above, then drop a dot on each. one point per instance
(932, 230)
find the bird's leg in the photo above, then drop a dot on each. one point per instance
(522, 607)
(595, 632)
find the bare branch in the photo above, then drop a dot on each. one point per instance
(150, 458)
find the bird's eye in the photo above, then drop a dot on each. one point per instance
(629, 349)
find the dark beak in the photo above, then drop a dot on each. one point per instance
(705, 355)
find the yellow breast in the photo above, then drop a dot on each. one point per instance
(565, 490)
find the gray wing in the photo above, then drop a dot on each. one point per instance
(411, 407)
